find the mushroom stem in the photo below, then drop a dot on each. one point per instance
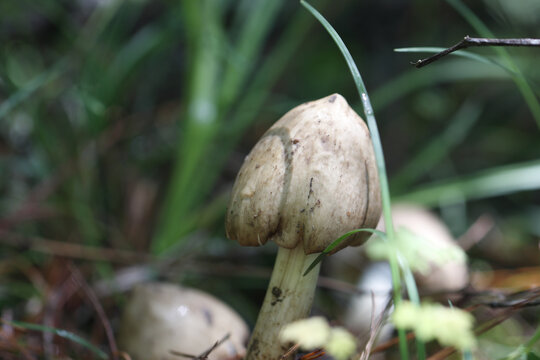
(288, 298)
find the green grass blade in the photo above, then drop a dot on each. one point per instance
(29, 89)
(62, 333)
(255, 29)
(383, 179)
(230, 125)
(249, 104)
(518, 77)
(450, 71)
(498, 181)
(338, 241)
(267, 75)
(462, 53)
(140, 45)
(199, 123)
(533, 340)
(438, 148)
(368, 111)
(415, 298)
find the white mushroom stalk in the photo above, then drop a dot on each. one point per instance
(311, 178)
(289, 297)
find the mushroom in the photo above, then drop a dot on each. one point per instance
(364, 311)
(311, 178)
(440, 278)
(160, 317)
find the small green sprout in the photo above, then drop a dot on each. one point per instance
(449, 326)
(315, 332)
(342, 344)
(418, 252)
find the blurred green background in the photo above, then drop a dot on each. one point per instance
(123, 124)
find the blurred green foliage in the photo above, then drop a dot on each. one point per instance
(111, 96)
(123, 123)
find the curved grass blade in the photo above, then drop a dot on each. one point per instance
(439, 147)
(62, 333)
(462, 53)
(199, 123)
(253, 33)
(497, 181)
(338, 241)
(379, 156)
(368, 111)
(29, 89)
(451, 71)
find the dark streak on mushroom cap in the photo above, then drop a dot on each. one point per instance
(311, 178)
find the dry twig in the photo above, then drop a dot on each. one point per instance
(80, 280)
(204, 355)
(470, 42)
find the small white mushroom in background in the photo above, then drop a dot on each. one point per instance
(161, 317)
(364, 311)
(442, 278)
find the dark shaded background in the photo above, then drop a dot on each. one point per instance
(121, 130)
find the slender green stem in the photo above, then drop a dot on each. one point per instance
(62, 333)
(372, 124)
(415, 298)
(402, 334)
(218, 106)
(31, 87)
(255, 29)
(199, 124)
(266, 75)
(438, 148)
(497, 181)
(533, 340)
(450, 71)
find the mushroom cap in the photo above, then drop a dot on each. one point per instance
(375, 279)
(375, 284)
(160, 317)
(448, 276)
(311, 178)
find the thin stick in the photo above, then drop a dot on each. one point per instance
(78, 278)
(289, 352)
(469, 42)
(72, 250)
(375, 328)
(204, 355)
(476, 232)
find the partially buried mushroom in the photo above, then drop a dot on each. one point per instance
(159, 318)
(311, 178)
(444, 277)
(448, 275)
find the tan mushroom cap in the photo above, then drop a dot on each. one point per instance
(449, 276)
(310, 178)
(160, 317)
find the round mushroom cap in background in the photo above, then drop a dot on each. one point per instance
(311, 178)
(160, 317)
(449, 276)
(374, 279)
(365, 309)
